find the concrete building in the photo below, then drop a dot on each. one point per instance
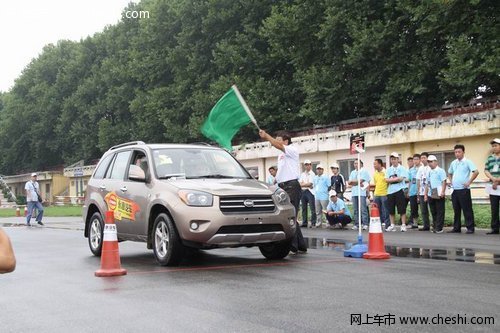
(435, 132)
(52, 184)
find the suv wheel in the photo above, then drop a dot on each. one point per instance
(167, 246)
(96, 228)
(278, 250)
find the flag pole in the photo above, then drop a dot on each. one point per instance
(245, 106)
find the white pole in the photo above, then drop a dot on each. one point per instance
(245, 106)
(359, 196)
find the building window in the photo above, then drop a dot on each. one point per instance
(346, 167)
(383, 158)
(444, 159)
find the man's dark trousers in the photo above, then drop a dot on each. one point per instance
(294, 192)
(437, 211)
(495, 201)
(307, 199)
(462, 201)
(424, 210)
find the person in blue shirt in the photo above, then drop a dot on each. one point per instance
(413, 190)
(396, 176)
(359, 192)
(271, 179)
(337, 213)
(434, 194)
(461, 174)
(321, 184)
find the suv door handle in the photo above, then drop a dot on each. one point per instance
(123, 189)
(102, 187)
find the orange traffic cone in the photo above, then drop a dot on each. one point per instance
(376, 247)
(25, 210)
(110, 256)
(18, 212)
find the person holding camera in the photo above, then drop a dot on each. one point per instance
(33, 200)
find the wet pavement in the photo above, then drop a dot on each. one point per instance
(236, 290)
(452, 254)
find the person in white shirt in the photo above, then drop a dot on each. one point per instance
(287, 179)
(307, 197)
(33, 200)
(422, 180)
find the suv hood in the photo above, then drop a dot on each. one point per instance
(222, 187)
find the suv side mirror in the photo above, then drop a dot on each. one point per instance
(136, 173)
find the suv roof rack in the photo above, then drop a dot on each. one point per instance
(201, 143)
(128, 144)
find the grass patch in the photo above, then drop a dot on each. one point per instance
(50, 211)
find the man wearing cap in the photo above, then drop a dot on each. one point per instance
(396, 176)
(32, 199)
(337, 180)
(321, 184)
(462, 173)
(307, 198)
(492, 171)
(287, 178)
(434, 194)
(337, 213)
(359, 192)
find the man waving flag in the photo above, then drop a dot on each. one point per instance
(227, 117)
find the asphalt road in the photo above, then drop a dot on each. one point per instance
(236, 290)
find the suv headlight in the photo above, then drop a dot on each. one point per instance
(281, 197)
(196, 198)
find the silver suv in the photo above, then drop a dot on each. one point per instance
(179, 196)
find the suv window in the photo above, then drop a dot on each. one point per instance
(103, 166)
(196, 163)
(120, 165)
(140, 159)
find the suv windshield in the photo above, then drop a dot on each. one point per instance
(196, 163)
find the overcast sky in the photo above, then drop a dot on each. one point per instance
(26, 26)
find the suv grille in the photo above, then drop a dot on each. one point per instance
(249, 228)
(244, 204)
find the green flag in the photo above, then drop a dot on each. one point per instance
(226, 118)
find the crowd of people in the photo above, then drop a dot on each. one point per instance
(422, 185)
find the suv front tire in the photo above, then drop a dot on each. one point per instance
(167, 245)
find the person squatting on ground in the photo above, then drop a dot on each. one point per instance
(359, 192)
(462, 173)
(307, 197)
(337, 180)
(413, 190)
(7, 258)
(396, 176)
(287, 179)
(337, 213)
(492, 171)
(33, 200)
(422, 180)
(436, 187)
(321, 184)
(380, 191)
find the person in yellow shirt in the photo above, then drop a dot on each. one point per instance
(380, 191)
